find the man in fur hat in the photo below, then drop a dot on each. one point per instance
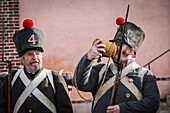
(34, 88)
(137, 92)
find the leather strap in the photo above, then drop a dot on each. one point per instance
(31, 87)
(16, 76)
(48, 73)
(50, 76)
(110, 83)
(131, 87)
(106, 86)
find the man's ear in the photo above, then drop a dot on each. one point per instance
(22, 60)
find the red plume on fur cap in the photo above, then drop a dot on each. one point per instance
(28, 23)
(120, 21)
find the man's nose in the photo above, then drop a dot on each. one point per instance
(34, 56)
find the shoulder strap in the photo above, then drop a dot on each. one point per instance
(110, 83)
(31, 87)
(131, 87)
(142, 75)
(106, 86)
(50, 77)
(15, 76)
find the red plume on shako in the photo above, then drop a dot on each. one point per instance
(28, 23)
(120, 21)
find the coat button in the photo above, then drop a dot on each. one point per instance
(127, 95)
(130, 80)
(30, 111)
(30, 95)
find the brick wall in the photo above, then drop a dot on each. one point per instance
(10, 10)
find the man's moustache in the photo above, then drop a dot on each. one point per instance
(34, 62)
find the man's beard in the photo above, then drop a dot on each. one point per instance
(34, 69)
(123, 58)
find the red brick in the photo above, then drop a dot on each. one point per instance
(11, 24)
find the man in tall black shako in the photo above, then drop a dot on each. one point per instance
(34, 88)
(137, 92)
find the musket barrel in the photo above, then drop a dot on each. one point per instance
(119, 65)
